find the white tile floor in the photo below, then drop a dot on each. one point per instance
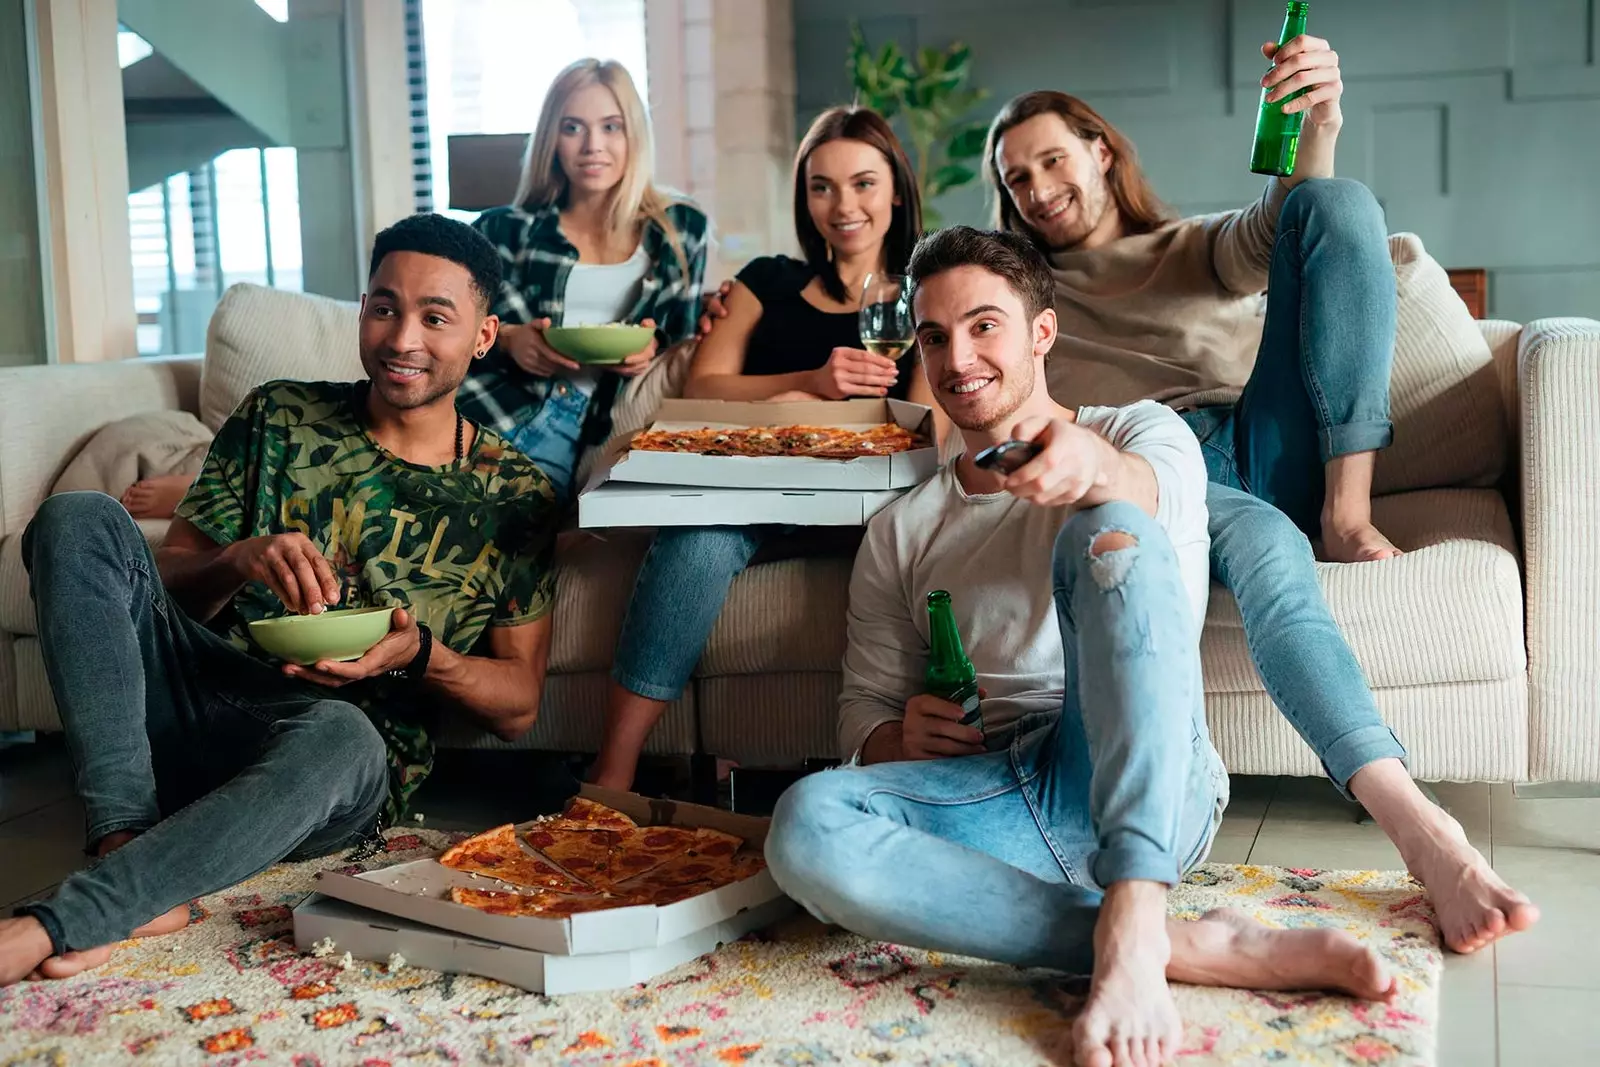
(1532, 1000)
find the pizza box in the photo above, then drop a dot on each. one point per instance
(372, 935)
(609, 504)
(420, 891)
(865, 473)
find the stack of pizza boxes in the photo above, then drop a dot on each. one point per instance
(477, 908)
(633, 487)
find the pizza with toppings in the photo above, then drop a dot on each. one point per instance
(584, 814)
(498, 854)
(815, 442)
(591, 857)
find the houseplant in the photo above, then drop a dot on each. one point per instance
(929, 96)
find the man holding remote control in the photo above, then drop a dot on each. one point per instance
(1079, 582)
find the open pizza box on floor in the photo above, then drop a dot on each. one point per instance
(900, 470)
(420, 891)
(372, 935)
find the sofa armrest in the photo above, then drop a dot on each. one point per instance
(1558, 384)
(47, 413)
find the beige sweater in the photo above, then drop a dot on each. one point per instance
(1174, 315)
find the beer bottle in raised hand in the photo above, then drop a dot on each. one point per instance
(951, 676)
(1277, 134)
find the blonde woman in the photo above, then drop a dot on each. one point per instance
(589, 240)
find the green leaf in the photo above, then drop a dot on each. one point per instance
(950, 176)
(957, 58)
(968, 142)
(922, 127)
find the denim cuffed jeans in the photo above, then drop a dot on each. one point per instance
(219, 763)
(682, 585)
(1004, 855)
(1319, 390)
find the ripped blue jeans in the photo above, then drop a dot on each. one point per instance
(1004, 855)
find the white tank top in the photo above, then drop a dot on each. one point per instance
(598, 294)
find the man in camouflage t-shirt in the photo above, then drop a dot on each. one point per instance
(199, 758)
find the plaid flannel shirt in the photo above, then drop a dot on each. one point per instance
(536, 259)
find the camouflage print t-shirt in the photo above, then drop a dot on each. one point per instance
(460, 548)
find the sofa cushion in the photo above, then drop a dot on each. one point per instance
(1448, 610)
(594, 580)
(258, 335)
(1449, 419)
(16, 602)
(140, 446)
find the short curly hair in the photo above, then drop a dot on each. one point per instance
(435, 235)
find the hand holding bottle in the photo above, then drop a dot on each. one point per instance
(1309, 66)
(932, 730)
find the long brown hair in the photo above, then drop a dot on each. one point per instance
(1137, 203)
(636, 198)
(905, 226)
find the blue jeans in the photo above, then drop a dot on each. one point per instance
(220, 764)
(682, 585)
(553, 437)
(1320, 389)
(1003, 855)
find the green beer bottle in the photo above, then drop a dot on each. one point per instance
(1277, 134)
(951, 675)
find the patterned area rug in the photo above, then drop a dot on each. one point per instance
(231, 989)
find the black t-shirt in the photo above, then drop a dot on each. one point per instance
(794, 334)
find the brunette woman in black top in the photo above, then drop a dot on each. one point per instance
(790, 334)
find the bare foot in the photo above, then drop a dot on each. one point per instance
(1475, 906)
(1228, 948)
(70, 963)
(156, 498)
(167, 923)
(1356, 544)
(1129, 1019)
(24, 945)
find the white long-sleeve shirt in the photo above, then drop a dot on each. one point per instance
(993, 553)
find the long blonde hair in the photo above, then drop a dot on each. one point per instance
(635, 198)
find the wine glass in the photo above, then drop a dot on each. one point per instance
(885, 318)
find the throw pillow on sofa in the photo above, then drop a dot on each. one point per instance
(149, 445)
(258, 335)
(1444, 395)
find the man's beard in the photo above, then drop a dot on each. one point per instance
(1016, 387)
(1092, 205)
(402, 398)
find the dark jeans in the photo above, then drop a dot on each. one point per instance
(220, 764)
(1320, 389)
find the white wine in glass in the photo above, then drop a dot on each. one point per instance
(885, 318)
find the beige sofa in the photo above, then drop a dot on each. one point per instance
(1480, 641)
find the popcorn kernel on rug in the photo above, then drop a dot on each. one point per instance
(231, 989)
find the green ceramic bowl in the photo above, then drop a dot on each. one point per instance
(598, 344)
(335, 635)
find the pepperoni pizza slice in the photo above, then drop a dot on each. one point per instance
(497, 853)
